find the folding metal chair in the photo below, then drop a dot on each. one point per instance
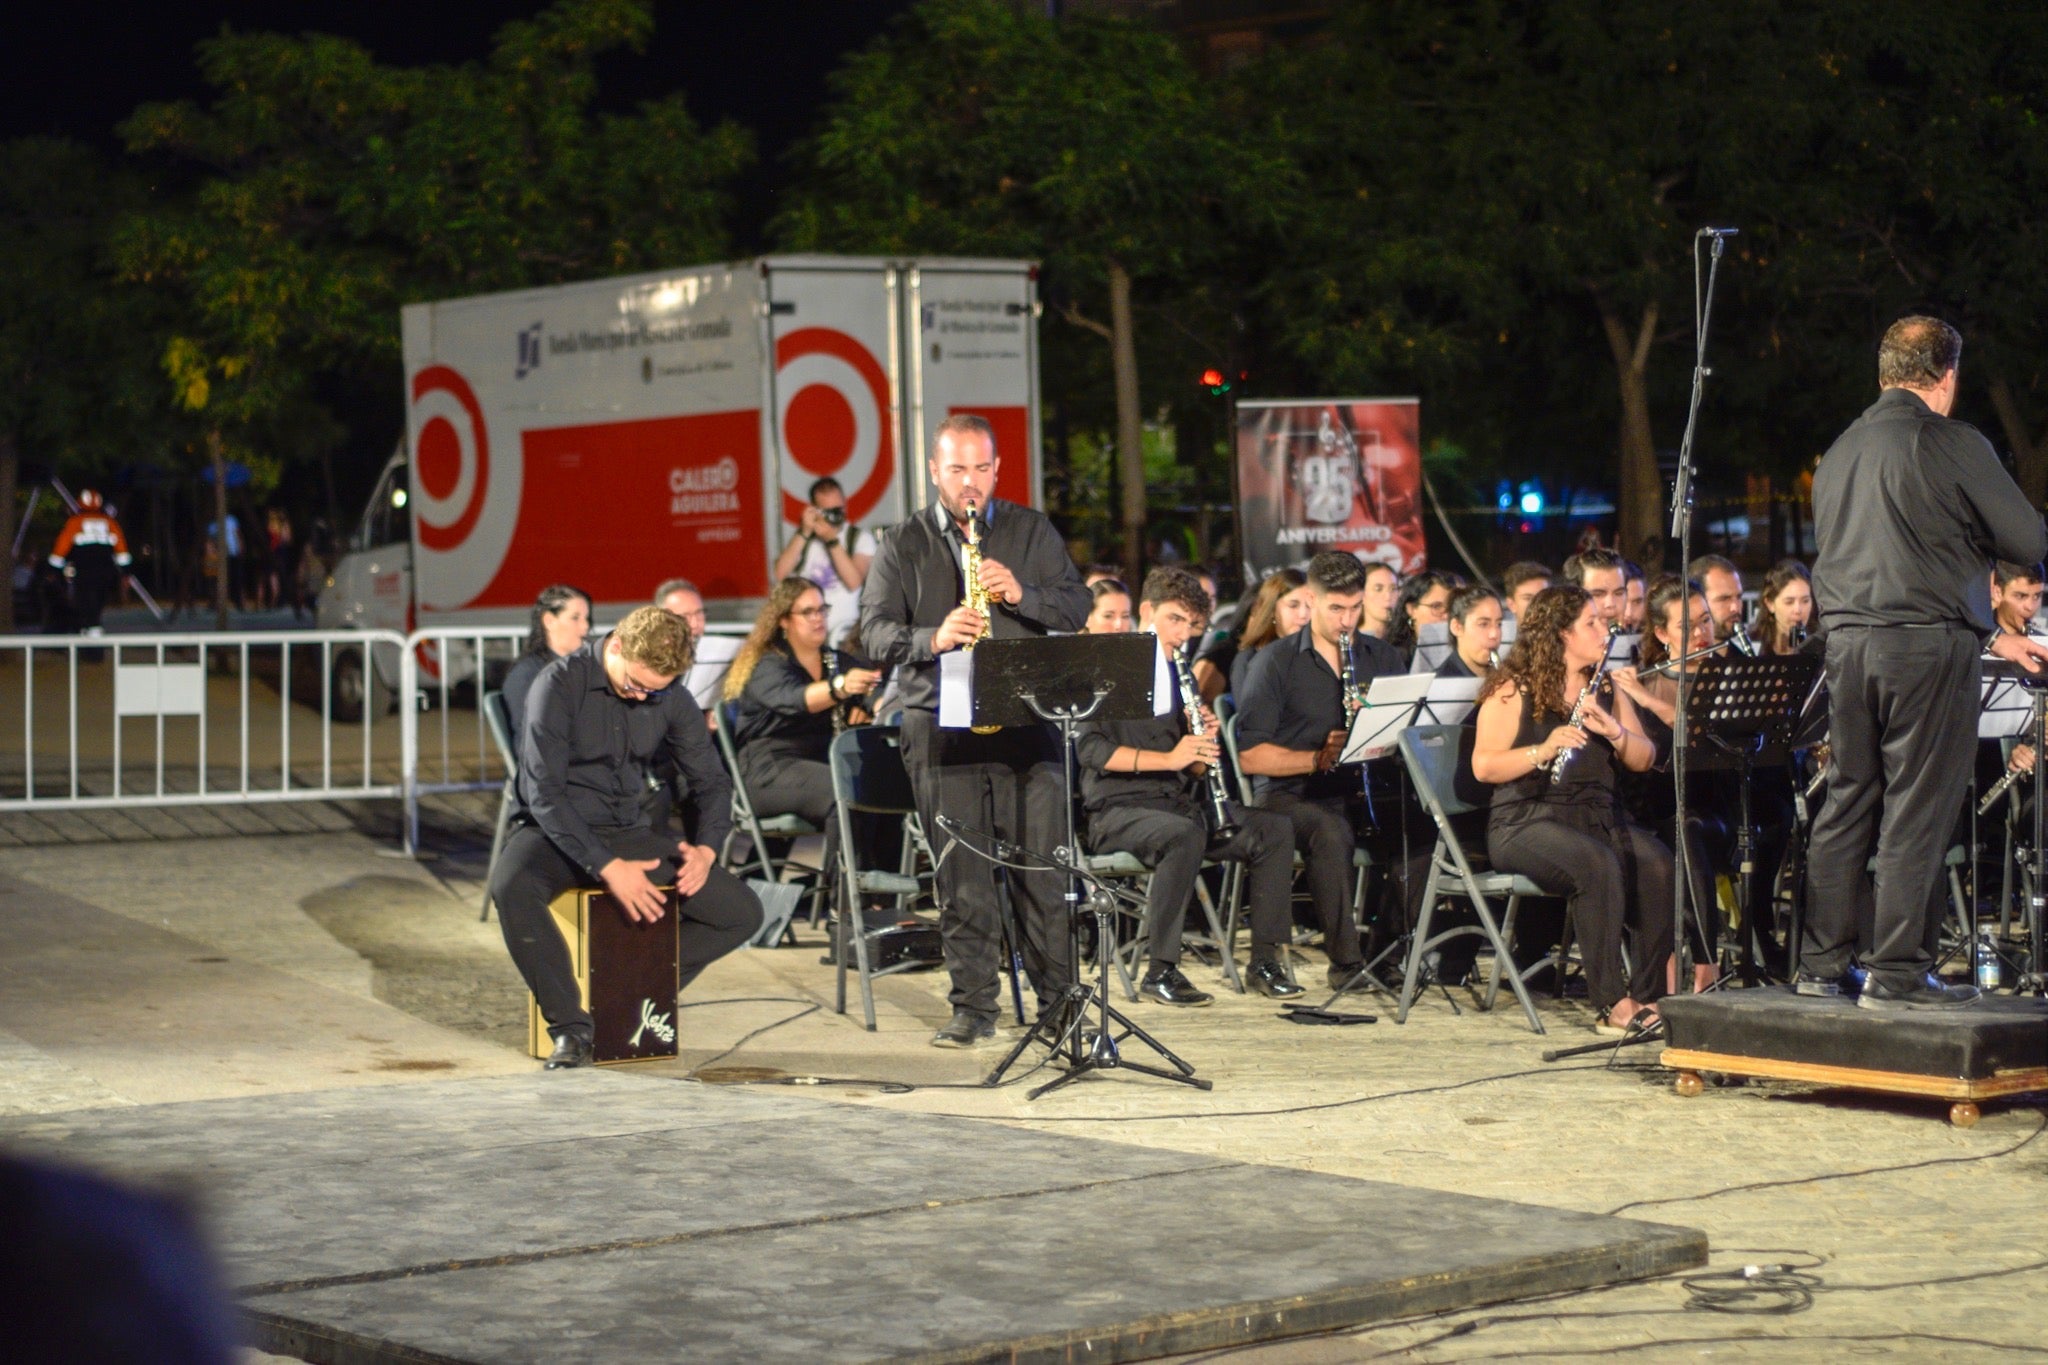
(1435, 755)
(868, 775)
(758, 829)
(500, 722)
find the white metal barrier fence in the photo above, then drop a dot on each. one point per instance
(262, 716)
(194, 719)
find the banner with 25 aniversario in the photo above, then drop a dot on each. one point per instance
(1318, 474)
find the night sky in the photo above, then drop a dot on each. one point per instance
(78, 71)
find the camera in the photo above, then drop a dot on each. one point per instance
(835, 515)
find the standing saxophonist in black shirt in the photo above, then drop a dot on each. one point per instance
(1910, 508)
(1145, 784)
(912, 609)
(594, 721)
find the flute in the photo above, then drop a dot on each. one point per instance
(1999, 789)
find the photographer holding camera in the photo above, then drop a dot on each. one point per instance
(832, 554)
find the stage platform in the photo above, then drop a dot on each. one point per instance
(605, 1216)
(1993, 1048)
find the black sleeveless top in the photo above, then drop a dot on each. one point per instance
(1583, 798)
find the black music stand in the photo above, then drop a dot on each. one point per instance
(1742, 708)
(1066, 680)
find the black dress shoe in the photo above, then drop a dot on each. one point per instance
(1928, 993)
(1269, 978)
(1819, 984)
(1164, 985)
(571, 1049)
(1342, 977)
(964, 1029)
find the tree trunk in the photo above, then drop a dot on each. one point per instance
(10, 467)
(1640, 496)
(1130, 430)
(2029, 452)
(217, 454)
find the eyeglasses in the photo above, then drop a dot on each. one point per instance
(809, 613)
(645, 693)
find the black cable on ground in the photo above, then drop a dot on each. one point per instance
(2039, 1127)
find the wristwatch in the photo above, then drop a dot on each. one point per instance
(837, 686)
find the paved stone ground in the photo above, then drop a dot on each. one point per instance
(1919, 1240)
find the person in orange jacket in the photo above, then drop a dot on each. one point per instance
(92, 550)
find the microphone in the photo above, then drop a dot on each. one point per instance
(1720, 232)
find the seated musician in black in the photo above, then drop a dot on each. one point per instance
(559, 623)
(786, 686)
(1424, 599)
(1474, 619)
(1291, 731)
(1145, 786)
(2015, 598)
(1648, 796)
(1569, 836)
(594, 721)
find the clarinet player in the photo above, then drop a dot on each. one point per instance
(1149, 788)
(1009, 784)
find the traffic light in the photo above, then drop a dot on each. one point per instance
(1215, 382)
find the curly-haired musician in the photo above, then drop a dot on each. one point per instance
(1566, 831)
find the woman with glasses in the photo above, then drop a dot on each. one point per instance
(560, 621)
(789, 695)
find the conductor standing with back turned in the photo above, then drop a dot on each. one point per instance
(1910, 508)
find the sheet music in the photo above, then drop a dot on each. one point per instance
(1432, 647)
(1450, 700)
(956, 688)
(1389, 709)
(2008, 709)
(1621, 650)
(714, 655)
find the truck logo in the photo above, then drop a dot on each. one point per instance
(705, 489)
(529, 350)
(832, 417)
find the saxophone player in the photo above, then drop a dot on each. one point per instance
(1148, 787)
(913, 608)
(1297, 700)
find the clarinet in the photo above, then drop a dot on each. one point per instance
(1349, 681)
(1191, 699)
(1577, 719)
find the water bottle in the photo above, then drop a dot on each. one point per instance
(1987, 960)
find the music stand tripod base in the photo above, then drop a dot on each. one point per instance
(1064, 681)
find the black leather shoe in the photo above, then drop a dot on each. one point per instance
(964, 1029)
(571, 1049)
(1341, 978)
(1818, 984)
(1269, 978)
(1164, 985)
(1928, 993)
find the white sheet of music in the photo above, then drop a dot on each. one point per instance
(1621, 650)
(2008, 709)
(714, 655)
(956, 688)
(1389, 708)
(1432, 647)
(1450, 700)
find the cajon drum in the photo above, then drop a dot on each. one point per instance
(625, 972)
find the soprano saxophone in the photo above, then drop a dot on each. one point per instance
(976, 598)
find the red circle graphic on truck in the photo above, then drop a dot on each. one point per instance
(835, 417)
(442, 457)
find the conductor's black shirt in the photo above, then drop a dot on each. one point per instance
(1293, 698)
(585, 750)
(914, 583)
(1909, 509)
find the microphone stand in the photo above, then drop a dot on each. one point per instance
(1681, 530)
